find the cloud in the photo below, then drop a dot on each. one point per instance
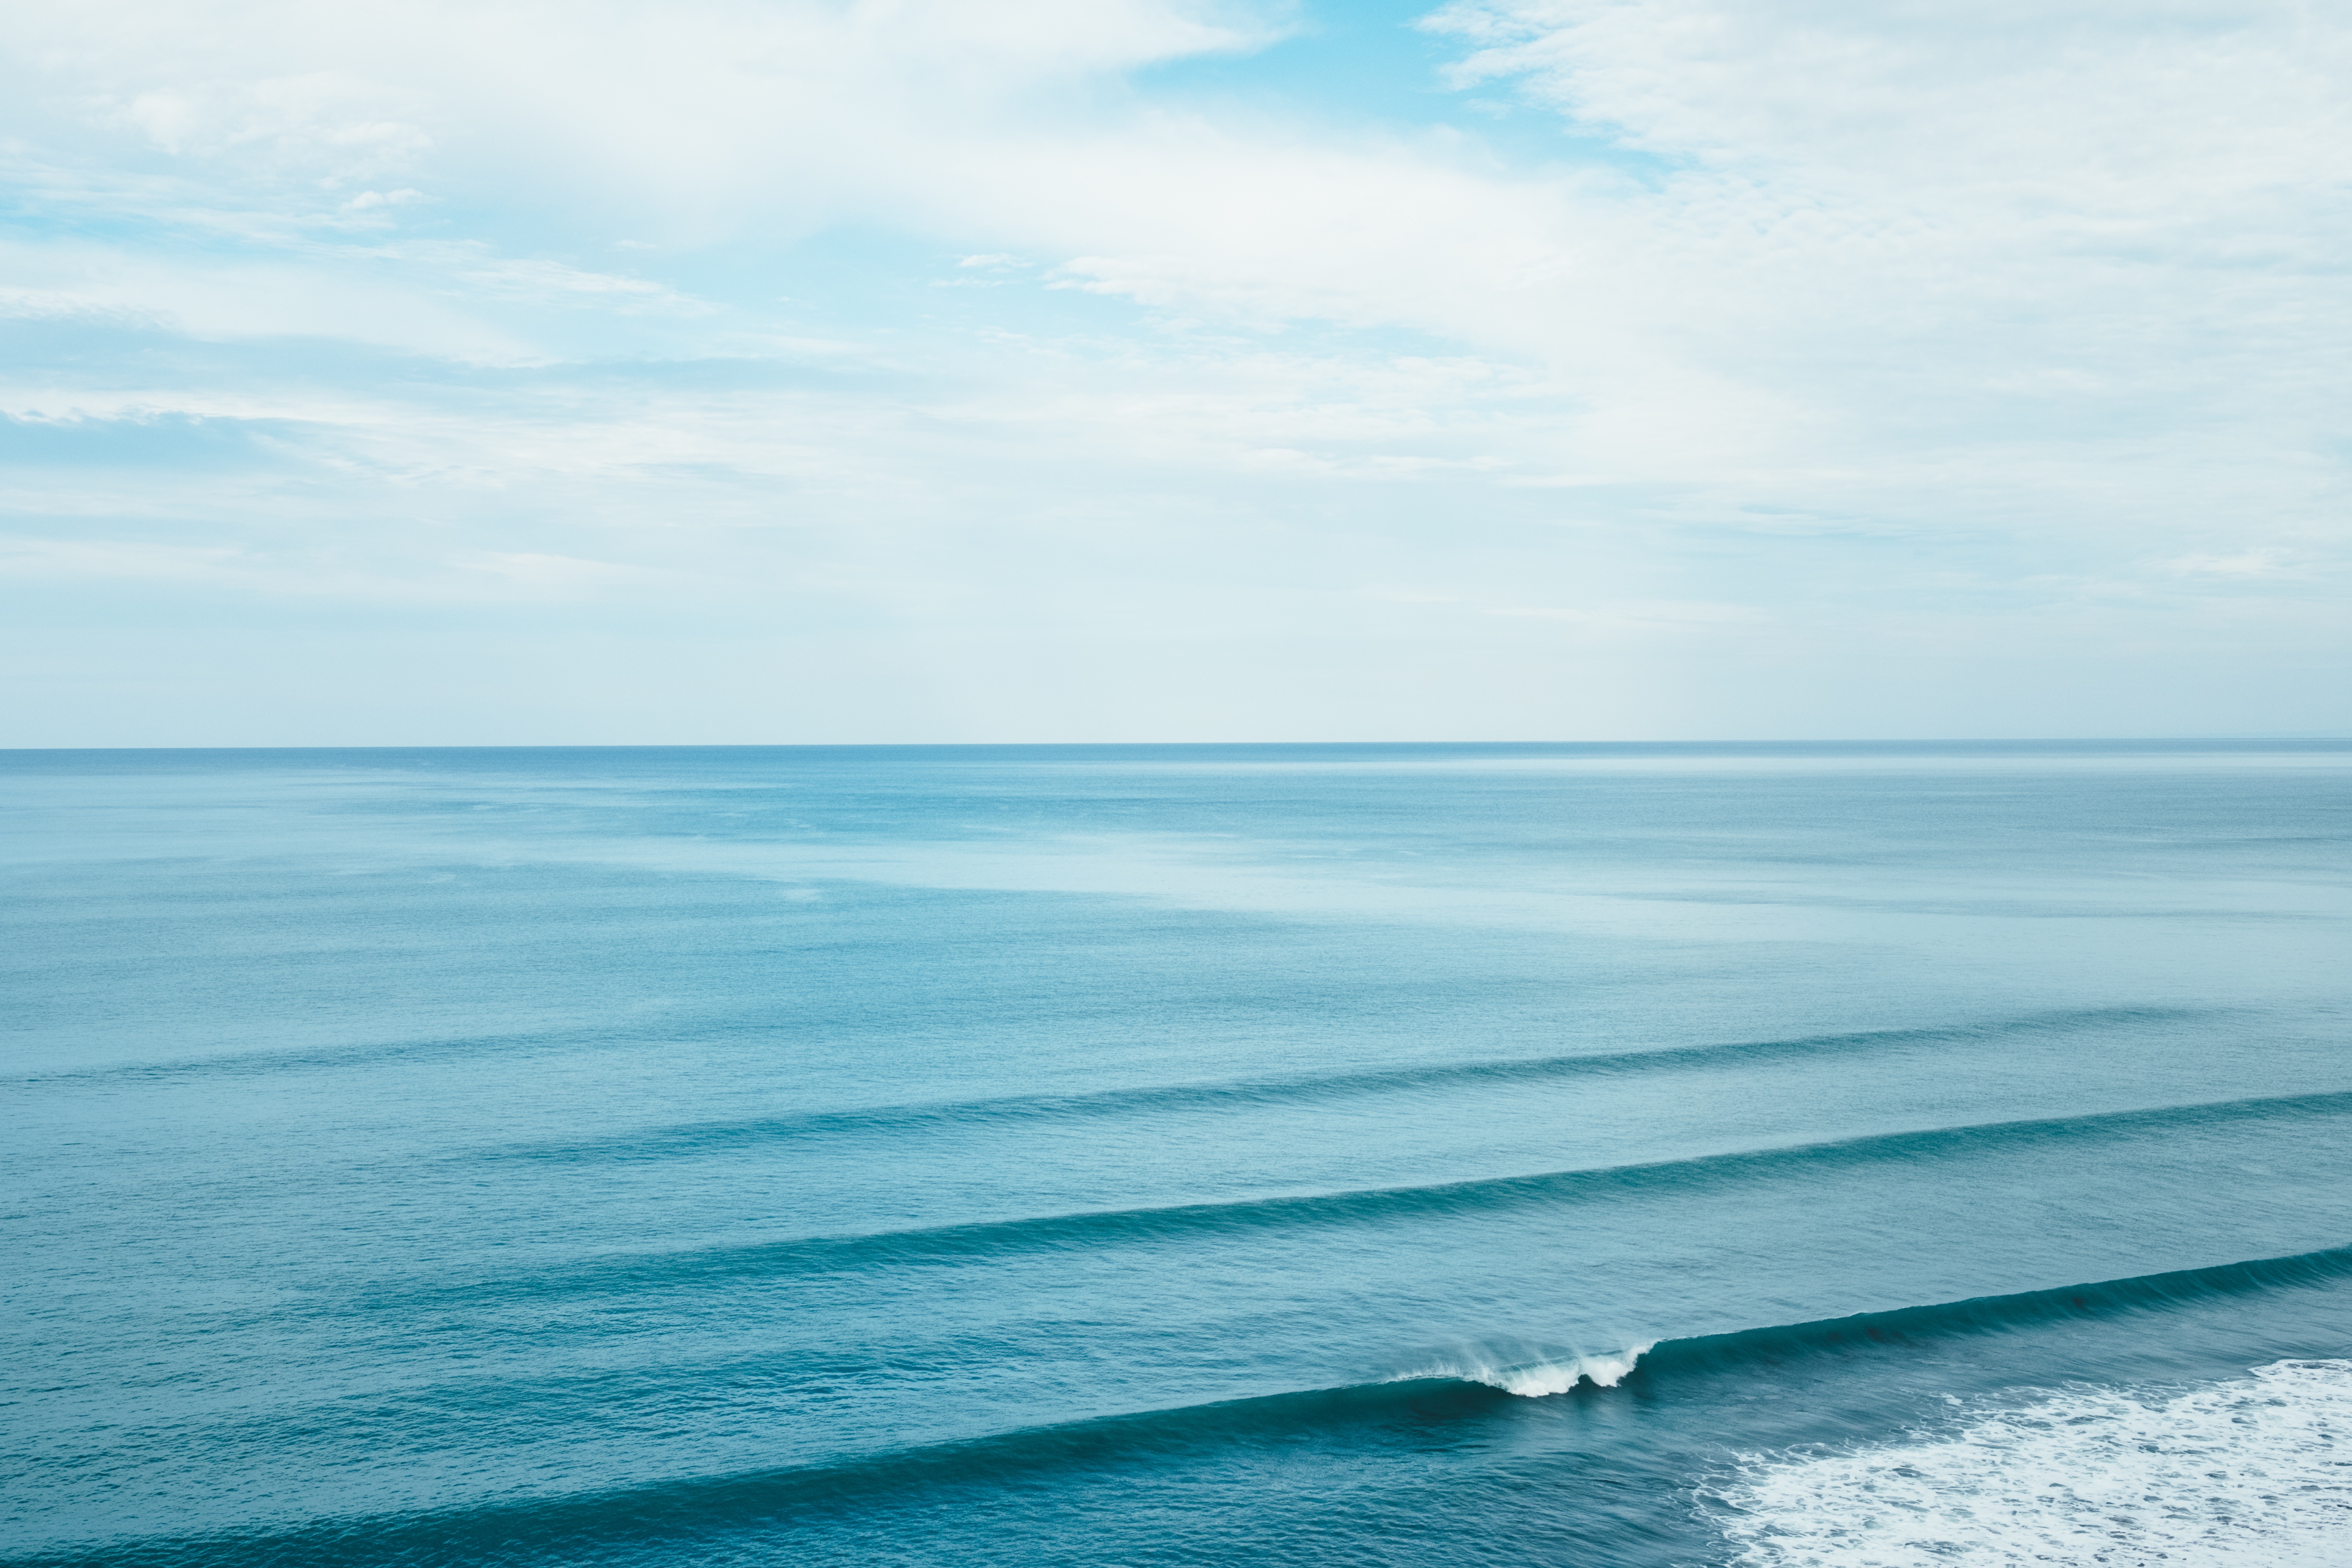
(2246, 564)
(330, 125)
(1863, 336)
(217, 298)
(698, 116)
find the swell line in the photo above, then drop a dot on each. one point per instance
(706, 1508)
(697, 1138)
(1479, 1197)
(336, 1058)
(567, 1528)
(1778, 1346)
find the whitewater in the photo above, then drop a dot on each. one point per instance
(1597, 1154)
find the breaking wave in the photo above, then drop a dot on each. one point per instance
(1539, 1378)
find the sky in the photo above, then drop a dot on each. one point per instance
(500, 371)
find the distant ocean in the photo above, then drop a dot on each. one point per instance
(1901, 1155)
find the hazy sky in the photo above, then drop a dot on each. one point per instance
(1031, 369)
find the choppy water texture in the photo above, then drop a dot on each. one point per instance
(1272, 1155)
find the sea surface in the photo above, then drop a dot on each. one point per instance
(1586, 1155)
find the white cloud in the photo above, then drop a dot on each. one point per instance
(332, 126)
(705, 113)
(1893, 319)
(213, 297)
(2245, 563)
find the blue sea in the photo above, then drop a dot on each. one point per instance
(1586, 1155)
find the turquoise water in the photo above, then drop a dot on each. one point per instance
(1066, 1155)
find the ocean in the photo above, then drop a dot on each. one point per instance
(1773, 1155)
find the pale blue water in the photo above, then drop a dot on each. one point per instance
(1140, 1154)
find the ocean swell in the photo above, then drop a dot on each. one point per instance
(703, 1138)
(1659, 1363)
(1778, 1346)
(1446, 1394)
(1477, 1198)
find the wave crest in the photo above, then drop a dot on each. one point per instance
(1538, 1378)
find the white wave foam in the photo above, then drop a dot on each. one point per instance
(2235, 1473)
(1535, 1379)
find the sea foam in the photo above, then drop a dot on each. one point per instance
(2239, 1472)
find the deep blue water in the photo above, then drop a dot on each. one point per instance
(1269, 1155)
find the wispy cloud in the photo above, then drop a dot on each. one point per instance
(957, 326)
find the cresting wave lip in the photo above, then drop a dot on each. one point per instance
(1480, 1197)
(702, 1508)
(1306, 1088)
(1538, 1378)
